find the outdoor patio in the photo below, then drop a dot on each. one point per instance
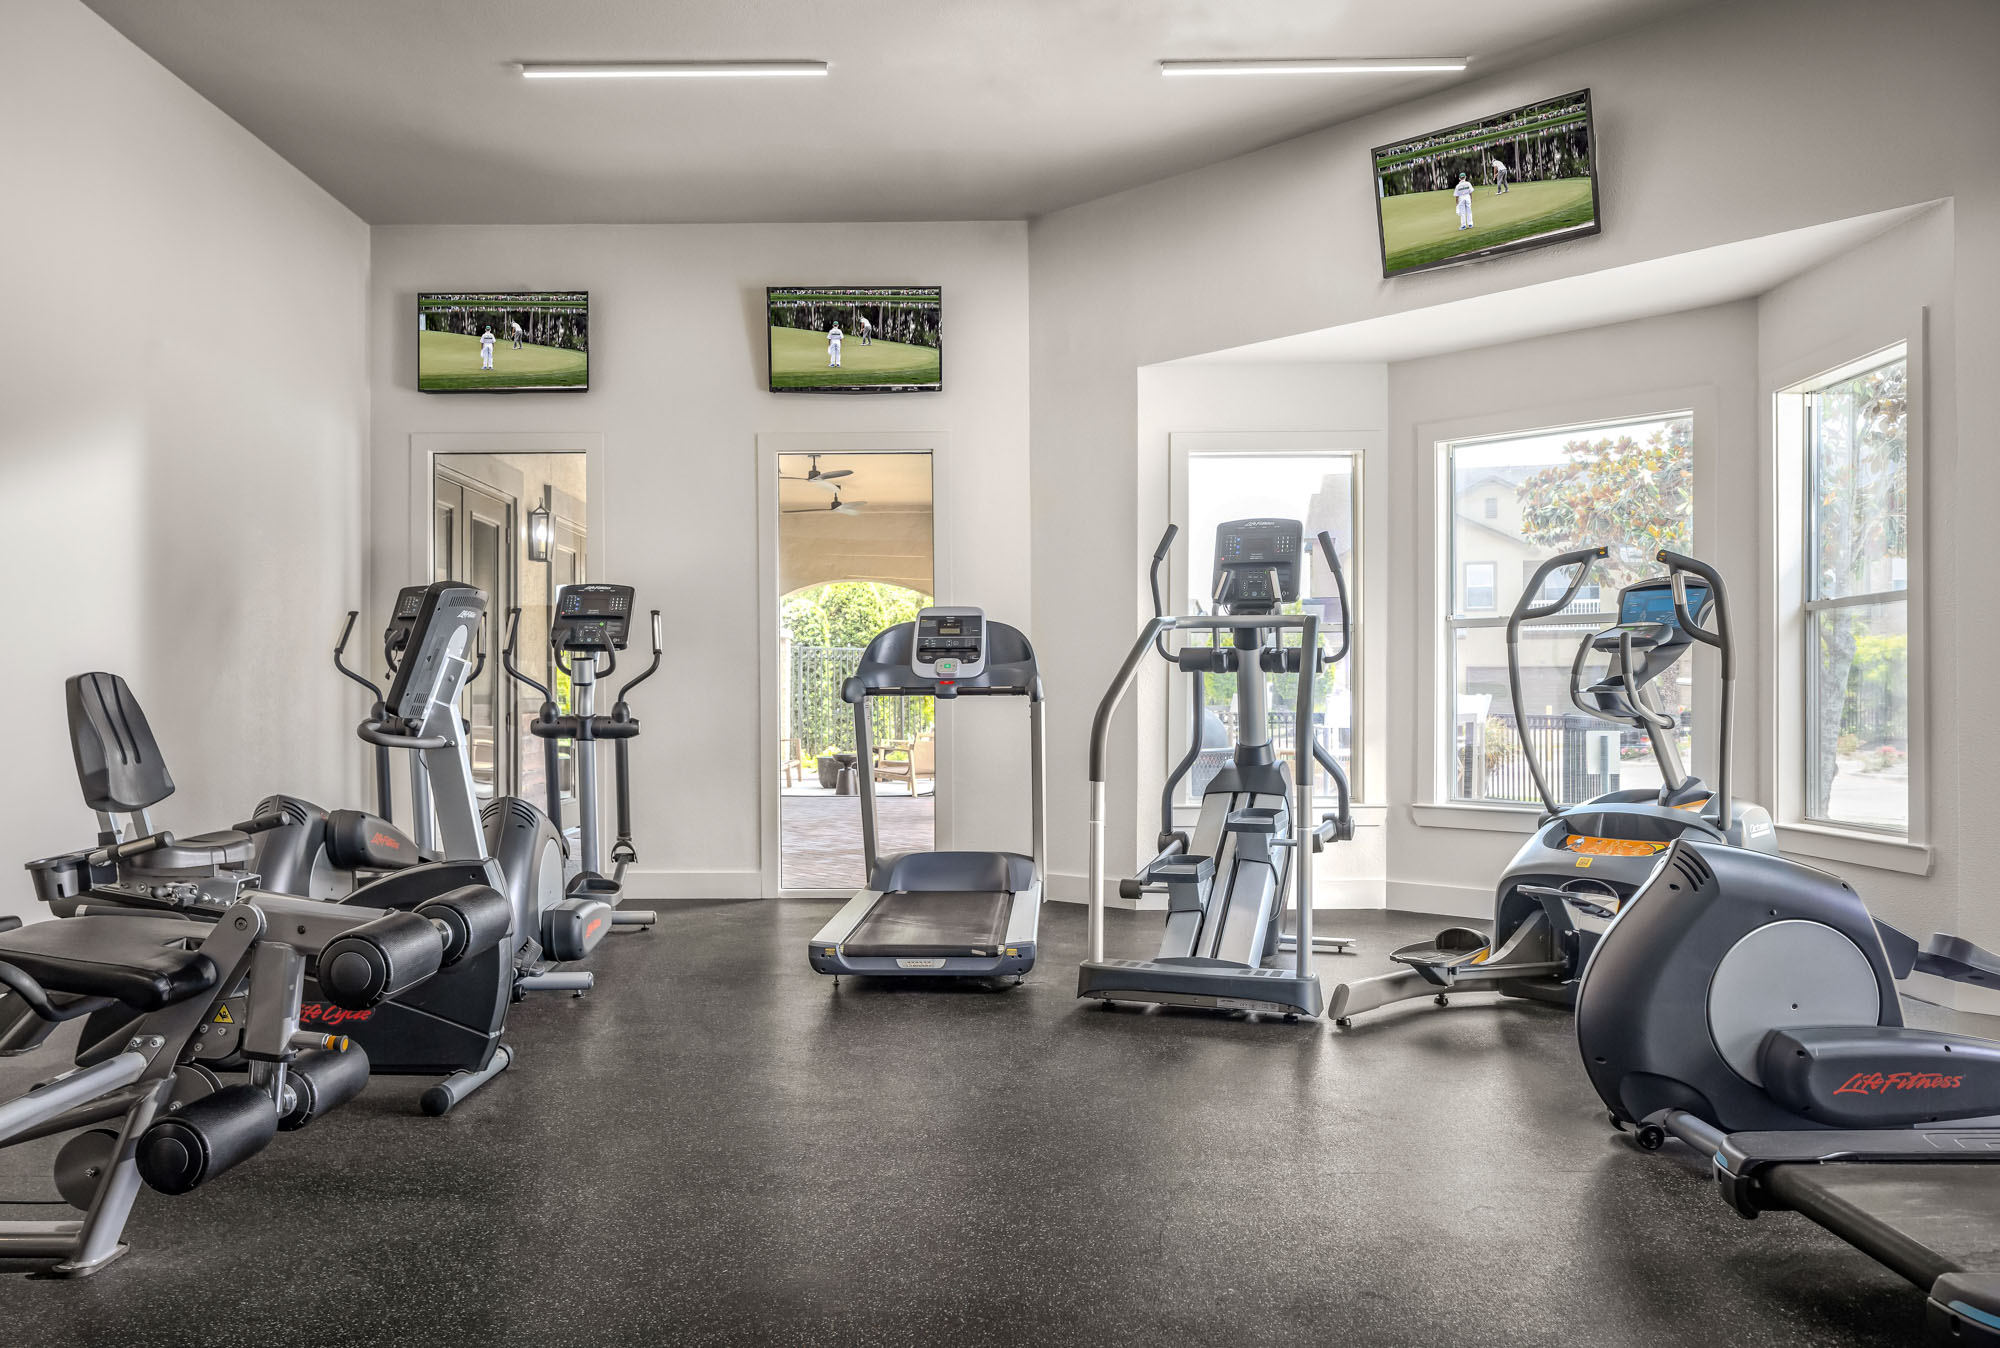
(819, 834)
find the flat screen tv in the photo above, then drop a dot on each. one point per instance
(503, 341)
(1514, 180)
(856, 339)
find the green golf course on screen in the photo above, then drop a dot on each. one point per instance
(474, 342)
(856, 339)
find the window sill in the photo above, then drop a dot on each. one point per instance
(1518, 819)
(1854, 849)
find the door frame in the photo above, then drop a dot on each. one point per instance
(770, 717)
(508, 494)
(426, 446)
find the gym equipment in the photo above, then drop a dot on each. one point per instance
(591, 624)
(1225, 883)
(450, 1027)
(955, 914)
(188, 1000)
(1585, 861)
(1747, 1005)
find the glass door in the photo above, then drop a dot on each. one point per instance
(473, 540)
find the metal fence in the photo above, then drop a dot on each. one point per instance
(1580, 757)
(823, 723)
(1217, 755)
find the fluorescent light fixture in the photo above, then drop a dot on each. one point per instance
(1369, 65)
(669, 70)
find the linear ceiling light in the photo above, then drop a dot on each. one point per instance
(669, 70)
(1372, 65)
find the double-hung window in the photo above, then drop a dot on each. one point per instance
(1626, 485)
(1850, 426)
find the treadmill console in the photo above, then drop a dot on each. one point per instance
(591, 618)
(1257, 565)
(950, 645)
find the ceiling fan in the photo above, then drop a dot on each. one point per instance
(836, 506)
(816, 477)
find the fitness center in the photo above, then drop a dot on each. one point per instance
(1037, 674)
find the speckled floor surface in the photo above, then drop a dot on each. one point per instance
(719, 1147)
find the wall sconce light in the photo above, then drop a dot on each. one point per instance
(541, 533)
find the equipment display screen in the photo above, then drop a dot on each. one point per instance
(1656, 605)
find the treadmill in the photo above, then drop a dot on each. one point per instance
(948, 914)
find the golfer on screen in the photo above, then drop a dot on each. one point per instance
(867, 329)
(486, 350)
(1499, 177)
(1464, 194)
(833, 337)
(516, 333)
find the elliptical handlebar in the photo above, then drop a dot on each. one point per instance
(507, 657)
(1159, 604)
(1526, 610)
(620, 711)
(340, 663)
(1680, 566)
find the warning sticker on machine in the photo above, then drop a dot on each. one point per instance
(222, 1016)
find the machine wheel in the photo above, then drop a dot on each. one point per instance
(1442, 1000)
(1344, 1022)
(1651, 1137)
(81, 1166)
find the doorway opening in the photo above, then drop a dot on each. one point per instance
(855, 556)
(481, 509)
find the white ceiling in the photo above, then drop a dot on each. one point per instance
(410, 111)
(1663, 285)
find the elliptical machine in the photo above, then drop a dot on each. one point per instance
(591, 624)
(1747, 1005)
(1586, 861)
(1225, 882)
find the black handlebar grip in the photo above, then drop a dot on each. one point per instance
(1131, 889)
(375, 961)
(1166, 542)
(1577, 557)
(262, 823)
(475, 918)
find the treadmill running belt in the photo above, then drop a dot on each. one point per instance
(922, 924)
(1920, 1219)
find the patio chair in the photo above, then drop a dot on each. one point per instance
(906, 761)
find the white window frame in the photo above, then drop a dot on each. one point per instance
(1365, 736)
(1432, 805)
(1788, 699)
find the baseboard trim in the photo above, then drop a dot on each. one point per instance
(657, 885)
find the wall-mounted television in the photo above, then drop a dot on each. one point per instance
(856, 339)
(503, 341)
(1517, 179)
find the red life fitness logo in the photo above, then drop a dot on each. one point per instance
(1881, 1083)
(384, 840)
(325, 1015)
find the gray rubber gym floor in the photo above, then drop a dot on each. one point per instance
(718, 1146)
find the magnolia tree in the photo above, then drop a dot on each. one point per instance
(1634, 497)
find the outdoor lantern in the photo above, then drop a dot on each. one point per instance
(541, 532)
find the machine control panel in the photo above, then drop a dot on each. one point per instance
(950, 645)
(592, 618)
(1652, 601)
(1257, 565)
(403, 617)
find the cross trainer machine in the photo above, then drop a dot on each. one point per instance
(1225, 882)
(955, 914)
(1747, 1005)
(591, 624)
(1585, 861)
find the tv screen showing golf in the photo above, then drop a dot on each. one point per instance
(513, 342)
(856, 339)
(1516, 180)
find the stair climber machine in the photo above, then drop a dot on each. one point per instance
(945, 914)
(173, 1004)
(451, 1027)
(1747, 1006)
(1225, 882)
(592, 623)
(1585, 861)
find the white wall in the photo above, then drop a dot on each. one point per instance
(1727, 123)
(183, 406)
(679, 396)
